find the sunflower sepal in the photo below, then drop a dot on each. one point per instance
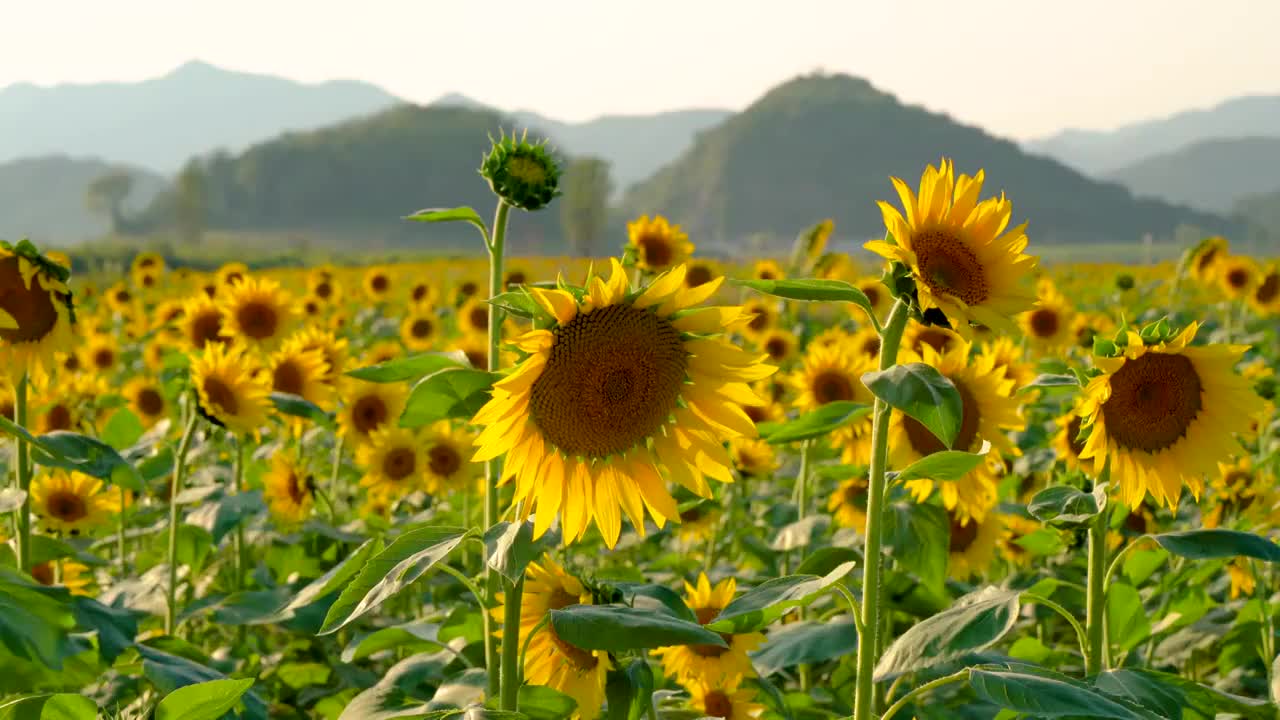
(519, 303)
(521, 173)
(27, 250)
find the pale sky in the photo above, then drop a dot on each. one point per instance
(1020, 68)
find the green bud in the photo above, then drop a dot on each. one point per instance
(522, 173)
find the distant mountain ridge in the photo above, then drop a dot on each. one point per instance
(1101, 152)
(1211, 175)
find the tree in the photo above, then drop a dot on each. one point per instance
(584, 205)
(106, 196)
(191, 202)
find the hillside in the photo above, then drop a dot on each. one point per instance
(1100, 152)
(1210, 175)
(44, 197)
(822, 146)
(161, 122)
(359, 178)
(636, 146)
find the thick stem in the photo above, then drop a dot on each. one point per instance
(175, 487)
(511, 644)
(1096, 598)
(493, 468)
(868, 643)
(23, 516)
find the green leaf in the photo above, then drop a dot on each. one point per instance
(117, 627)
(300, 407)
(518, 303)
(405, 560)
(919, 535)
(458, 214)
(91, 456)
(411, 367)
(1127, 622)
(1217, 544)
(11, 499)
(511, 547)
(946, 465)
(617, 628)
(203, 701)
(168, 672)
(388, 702)
(413, 636)
(336, 579)
(1169, 695)
(538, 702)
(1142, 564)
(60, 706)
(975, 622)
(770, 600)
(34, 623)
(812, 290)
(122, 429)
(824, 560)
(628, 691)
(448, 393)
(799, 534)
(1066, 505)
(24, 707)
(1049, 696)
(923, 393)
(657, 596)
(805, 642)
(1051, 380)
(820, 422)
(298, 675)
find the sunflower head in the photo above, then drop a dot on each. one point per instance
(289, 489)
(972, 543)
(1237, 276)
(1048, 325)
(146, 398)
(711, 664)
(699, 273)
(780, 345)
(831, 373)
(447, 467)
(473, 317)
(230, 390)
(657, 244)
(36, 311)
(420, 328)
(302, 371)
(956, 249)
(69, 503)
(394, 462)
(1202, 260)
(848, 504)
(377, 283)
(256, 311)
(521, 173)
(230, 274)
(728, 703)
(1265, 298)
(201, 322)
(368, 407)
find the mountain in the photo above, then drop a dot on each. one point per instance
(44, 197)
(1099, 152)
(161, 122)
(1210, 175)
(825, 146)
(636, 146)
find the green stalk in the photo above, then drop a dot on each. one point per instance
(940, 682)
(23, 518)
(511, 644)
(802, 497)
(179, 474)
(890, 339)
(237, 487)
(493, 468)
(120, 525)
(1096, 598)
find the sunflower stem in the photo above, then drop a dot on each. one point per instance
(511, 643)
(493, 468)
(802, 497)
(927, 687)
(868, 643)
(1096, 599)
(236, 488)
(120, 525)
(334, 472)
(22, 519)
(175, 487)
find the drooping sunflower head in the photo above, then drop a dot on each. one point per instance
(1162, 413)
(473, 317)
(69, 503)
(447, 467)
(230, 390)
(368, 407)
(618, 388)
(289, 490)
(521, 173)
(36, 312)
(657, 244)
(146, 398)
(201, 322)
(972, 544)
(257, 311)
(1237, 276)
(1265, 298)
(298, 370)
(710, 664)
(1048, 325)
(418, 330)
(957, 250)
(831, 373)
(1204, 259)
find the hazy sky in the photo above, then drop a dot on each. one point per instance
(1021, 68)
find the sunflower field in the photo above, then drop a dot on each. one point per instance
(952, 483)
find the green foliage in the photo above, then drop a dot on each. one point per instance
(975, 622)
(920, 392)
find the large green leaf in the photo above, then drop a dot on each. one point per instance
(1127, 621)
(122, 429)
(168, 672)
(1066, 505)
(770, 600)
(1045, 695)
(117, 627)
(812, 290)
(1051, 380)
(947, 465)
(202, 701)
(805, 642)
(334, 580)
(411, 367)
(1169, 695)
(511, 547)
(388, 702)
(412, 637)
(448, 393)
(919, 535)
(49, 706)
(628, 691)
(300, 407)
(91, 456)
(975, 622)
(818, 423)
(35, 622)
(405, 560)
(518, 303)
(618, 628)
(538, 702)
(824, 560)
(1219, 543)
(921, 392)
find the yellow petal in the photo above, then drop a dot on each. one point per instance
(559, 303)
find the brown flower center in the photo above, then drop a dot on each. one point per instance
(422, 328)
(258, 320)
(1044, 322)
(399, 463)
(697, 275)
(324, 290)
(71, 362)
(43, 573)
(420, 291)
(1237, 278)
(104, 358)
(949, 267)
(66, 506)
(612, 380)
(380, 283)
(1268, 289)
(655, 250)
(443, 460)
(515, 277)
(468, 288)
(206, 328)
(477, 357)
(32, 308)
(934, 337)
(287, 378)
(221, 395)
(926, 443)
(873, 294)
(777, 347)
(1207, 258)
(299, 489)
(962, 536)
(704, 616)
(150, 402)
(369, 413)
(832, 385)
(871, 346)
(717, 704)
(1073, 432)
(1153, 401)
(478, 317)
(58, 418)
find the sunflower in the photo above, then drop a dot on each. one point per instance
(867, 342)
(550, 661)
(1242, 493)
(146, 399)
(1087, 326)
(956, 252)
(1067, 443)
(466, 289)
(446, 464)
(231, 392)
(515, 275)
(68, 362)
(146, 279)
(119, 298)
(322, 286)
(1242, 581)
(917, 335)
(1016, 527)
(727, 703)
(329, 345)
(377, 284)
(1205, 259)
(230, 274)
(877, 293)
(1162, 414)
(770, 411)
(780, 345)
(423, 293)
(1265, 298)
(752, 456)
(698, 522)
(76, 577)
(848, 504)
(989, 409)
(1237, 276)
(35, 310)
(699, 273)
(201, 322)
(68, 405)
(1048, 326)
(658, 245)
(384, 351)
(367, 407)
(310, 307)
(830, 373)
(147, 261)
(418, 329)
(972, 543)
(475, 348)
(289, 491)
(99, 353)
(764, 317)
(619, 385)
(1008, 358)
(710, 664)
(296, 370)
(394, 462)
(473, 317)
(834, 335)
(69, 503)
(167, 313)
(767, 270)
(257, 311)
(6, 398)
